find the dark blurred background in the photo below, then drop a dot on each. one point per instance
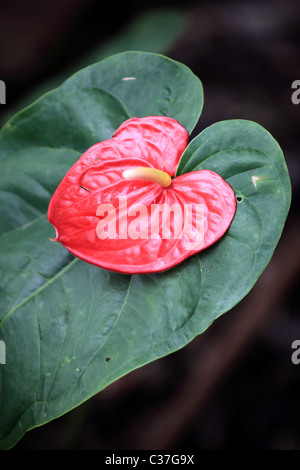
(234, 387)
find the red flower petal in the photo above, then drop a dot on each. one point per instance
(136, 226)
(161, 139)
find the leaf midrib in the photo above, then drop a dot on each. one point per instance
(227, 149)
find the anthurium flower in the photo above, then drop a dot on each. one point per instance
(121, 208)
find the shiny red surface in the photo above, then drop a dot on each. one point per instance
(96, 180)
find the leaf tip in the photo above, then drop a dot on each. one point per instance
(56, 239)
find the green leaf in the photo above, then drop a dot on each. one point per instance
(146, 84)
(252, 162)
(70, 328)
(61, 319)
(75, 120)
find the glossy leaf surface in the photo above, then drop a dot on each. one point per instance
(61, 318)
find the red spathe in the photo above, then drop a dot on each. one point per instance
(137, 226)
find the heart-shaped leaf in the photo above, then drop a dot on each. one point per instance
(71, 328)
